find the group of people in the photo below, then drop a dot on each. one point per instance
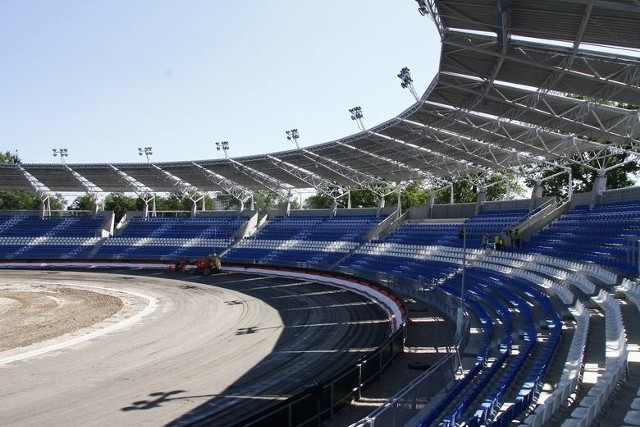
(513, 240)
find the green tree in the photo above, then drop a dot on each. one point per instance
(9, 157)
(228, 201)
(83, 203)
(584, 172)
(173, 202)
(318, 201)
(463, 192)
(466, 191)
(120, 203)
(57, 202)
(497, 186)
(412, 195)
(264, 202)
(361, 198)
(584, 166)
(18, 200)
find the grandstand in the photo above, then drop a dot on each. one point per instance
(547, 337)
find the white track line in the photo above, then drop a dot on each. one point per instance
(152, 304)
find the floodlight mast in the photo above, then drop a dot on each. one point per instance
(145, 151)
(224, 147)
(293, 135)
(356, 115)
(62, 152)
(407, 82)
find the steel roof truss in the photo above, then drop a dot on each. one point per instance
(475, 148)
(530, 103)
(430, 157)
(496, 126)
(435, 160)
(41, 190)
(315, 181)
(237, 191)
(477, 43)
(183, 187)
(370, 165)
(88, 186)
(270, 183)
(357, 177)
(417, 172)
(141, 190)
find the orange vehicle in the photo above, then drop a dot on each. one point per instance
(203, 266)
(206, 265)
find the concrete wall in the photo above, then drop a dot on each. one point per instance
(247, 213)
(501, 205)
(456, 210)
(628, 194)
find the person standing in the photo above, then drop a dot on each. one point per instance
(509, 239)
(497, 242)
(485, 241)
(517, 238)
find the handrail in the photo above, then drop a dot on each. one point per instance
(387, 224)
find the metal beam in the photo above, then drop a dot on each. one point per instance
(237, 191)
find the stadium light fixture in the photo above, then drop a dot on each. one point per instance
(224, 146)
(356, 115)
(62, 152)
(145, 151)
(407, 82)
(422, 7)
(293, 135)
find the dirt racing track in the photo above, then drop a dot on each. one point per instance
(126, 348)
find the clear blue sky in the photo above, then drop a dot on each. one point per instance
(103, 78)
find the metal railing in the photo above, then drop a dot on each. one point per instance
(320, 401)
(416, 397)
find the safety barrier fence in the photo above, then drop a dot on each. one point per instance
(320, 401)
(324, 400)
(407, 404)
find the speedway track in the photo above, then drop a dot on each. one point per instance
(226, 345)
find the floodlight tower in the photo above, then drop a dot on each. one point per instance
(224, 146)
(407, 82)
(145, 151)
(293, 135)
(356, 115)
(62, 152)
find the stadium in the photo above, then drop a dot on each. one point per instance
(521, 309)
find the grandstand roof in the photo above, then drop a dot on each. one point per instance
(498, 101)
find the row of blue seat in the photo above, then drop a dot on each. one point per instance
(483, 288)
(481, 356)
(67, 226)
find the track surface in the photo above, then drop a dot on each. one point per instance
(175, 348)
